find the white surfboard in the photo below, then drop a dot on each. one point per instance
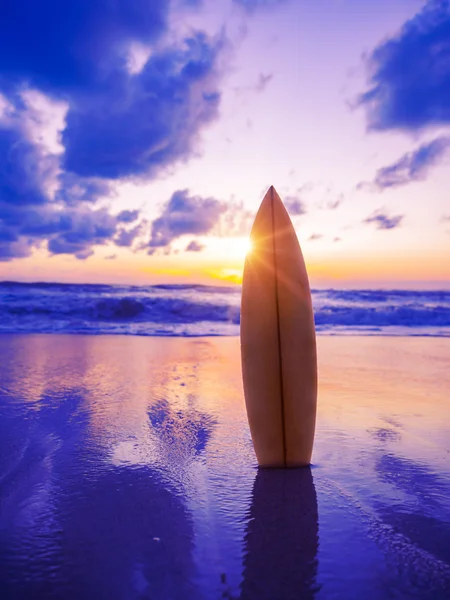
(278, 341)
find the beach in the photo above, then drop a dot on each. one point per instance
(127, 471)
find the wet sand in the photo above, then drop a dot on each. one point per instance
(127, 471)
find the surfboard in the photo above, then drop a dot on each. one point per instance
(278, 341)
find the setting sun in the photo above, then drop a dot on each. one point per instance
(233, 249)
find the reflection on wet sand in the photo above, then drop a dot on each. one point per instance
(423, 515)
(282, 538)
(126, 471)
(182, 433)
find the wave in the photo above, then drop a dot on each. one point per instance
(208, 310)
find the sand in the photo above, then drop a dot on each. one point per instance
(127, 471)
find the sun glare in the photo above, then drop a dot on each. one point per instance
(239, 247)
(230, 249)
(247, 246)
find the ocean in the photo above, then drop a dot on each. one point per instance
(197, 310)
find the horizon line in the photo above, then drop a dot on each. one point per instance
(229, 285)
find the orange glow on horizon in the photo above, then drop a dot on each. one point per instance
(222, 261)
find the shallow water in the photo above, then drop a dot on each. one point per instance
(127, 471)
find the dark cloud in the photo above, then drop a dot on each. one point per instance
(194, 246)
(39, 205)
(413, 166)
(62, 46)
(128, 216)
(383, 221)
(410, 73)
(126, 237)
(185, 214)
(74, 189)
(118, 121)
(66, 230)
(140, 124)
(111, 257)
(295, 206)
(25, 169)
(79, 231)
(315, 236)
(30, 174)
(19, 248)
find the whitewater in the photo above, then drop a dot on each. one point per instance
(196, 310)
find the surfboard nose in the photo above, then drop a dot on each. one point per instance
(272, 221)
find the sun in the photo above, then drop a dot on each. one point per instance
(238, 248)
(247, 246)
(229, 249)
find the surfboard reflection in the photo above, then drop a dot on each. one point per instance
(282, 537)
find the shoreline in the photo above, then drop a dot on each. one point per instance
(445, 335)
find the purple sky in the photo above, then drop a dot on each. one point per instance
(137, 139)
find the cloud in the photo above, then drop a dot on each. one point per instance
(59, 46)
(25, 170)
(295, 206)
(117, 123)
(73, 189)
(383, 221)
(40, 204)
(259, 87)
(185, 214)
(236, 220)
(93, 92)
(137, 125)
(65, 230)
(329, 204)
(263, 81)
(194, 246)
(128, 216)
(413, 166)
(10, 249)
(410, 74)
(315, 236)
(334, 204)
(80, 230)
(321, 194)
(111, 257)
(337, 239)
(126, 237)
(252, 5)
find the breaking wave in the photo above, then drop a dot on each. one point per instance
(194, 310)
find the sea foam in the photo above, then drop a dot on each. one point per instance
(195, 310)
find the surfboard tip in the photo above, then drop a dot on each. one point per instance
(270, 194)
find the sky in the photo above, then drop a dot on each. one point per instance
(137, 138)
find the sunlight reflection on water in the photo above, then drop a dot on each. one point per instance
(127, 471)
